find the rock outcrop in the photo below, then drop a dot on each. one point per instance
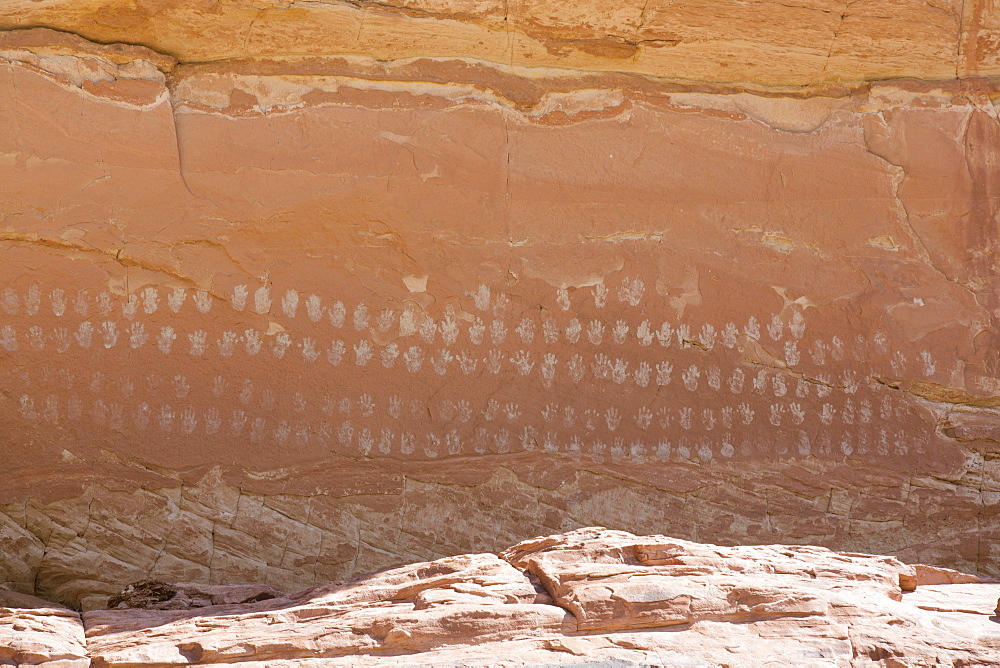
(590, 595)
(294, 291)
(34, 631)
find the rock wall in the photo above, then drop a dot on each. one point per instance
(294, 291)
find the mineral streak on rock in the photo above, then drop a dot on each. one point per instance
(294, 291)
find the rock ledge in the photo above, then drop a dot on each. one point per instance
(590, 594)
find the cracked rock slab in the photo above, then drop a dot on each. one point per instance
(467, 599)
(590, 595)
(40, 634)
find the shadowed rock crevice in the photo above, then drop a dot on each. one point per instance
(155, 595)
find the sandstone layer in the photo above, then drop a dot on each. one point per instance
(296, 291)
(587, 596)
(724, 41)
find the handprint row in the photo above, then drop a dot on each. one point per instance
(413, 357)
(412, 320)
(761, 384)
(352, 438)
(630, 292)
(693, 378)
(568, 417)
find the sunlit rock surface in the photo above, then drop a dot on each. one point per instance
(297, 291)
(34, 631)
(586, 596)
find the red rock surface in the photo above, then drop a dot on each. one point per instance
(584, 596)
(289, 295)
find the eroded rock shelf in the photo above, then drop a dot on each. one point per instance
(587, 595)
